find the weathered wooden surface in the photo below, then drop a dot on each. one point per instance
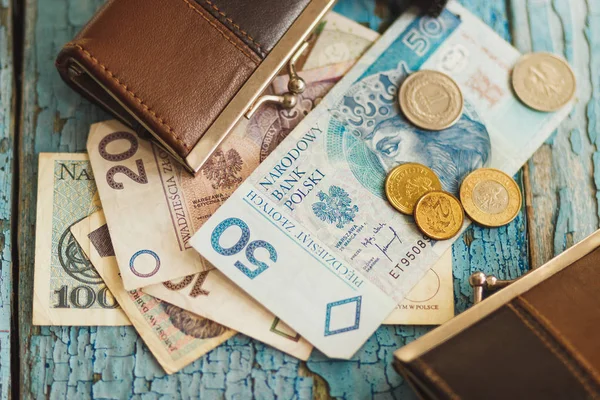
(82, 363)
(564, 175)
(7, 84)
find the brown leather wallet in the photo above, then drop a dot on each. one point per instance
(188, 70)
(535, 339)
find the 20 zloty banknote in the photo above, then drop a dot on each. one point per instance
(67, 289)
(310, 235)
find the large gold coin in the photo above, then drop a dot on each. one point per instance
(544, 81)
(406, 183)
(490, 197)
(431, 100)
(439, 215)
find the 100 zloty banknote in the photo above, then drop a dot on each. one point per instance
(67, 288)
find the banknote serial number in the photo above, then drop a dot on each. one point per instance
(411, 256)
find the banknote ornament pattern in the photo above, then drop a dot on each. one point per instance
(222, 169)
(351, 140)
(337, 311)
(73, 261)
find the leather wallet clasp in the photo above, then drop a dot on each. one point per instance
(296, 86)
(482, 283)
(291, 44)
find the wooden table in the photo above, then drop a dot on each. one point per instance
(40, 114)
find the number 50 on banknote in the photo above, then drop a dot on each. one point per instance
(310, 235)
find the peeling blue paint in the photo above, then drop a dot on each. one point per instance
(362, 11)
(114, 363)
(592, 33)
(576, 142)
(6, 196)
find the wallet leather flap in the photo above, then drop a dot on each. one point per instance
(169, 62)
(568, 305)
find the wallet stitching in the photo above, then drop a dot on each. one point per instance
(243, 32)
(132, 94)
(559, 337)
(225, 35)
(559, 354)
(436, 378)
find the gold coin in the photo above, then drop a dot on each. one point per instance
(439, 215)
(431, 100)
(490, 197)
(543, 81)
(406, 183)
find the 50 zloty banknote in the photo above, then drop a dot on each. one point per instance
(431, 301)
(310, 235)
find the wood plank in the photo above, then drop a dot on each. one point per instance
(55, 362)
(563, 174)
(7, 110)
(503, 251)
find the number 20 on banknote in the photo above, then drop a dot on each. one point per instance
(150, 241)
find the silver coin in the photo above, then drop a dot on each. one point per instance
(544, 81)
(431, 100)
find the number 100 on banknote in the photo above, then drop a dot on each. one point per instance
(310, 235)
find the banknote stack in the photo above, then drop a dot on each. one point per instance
(286, 235)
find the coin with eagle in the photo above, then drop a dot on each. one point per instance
(490, 197)
(406, 183)
(439, 215)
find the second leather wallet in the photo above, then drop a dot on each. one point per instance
(535, 339)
